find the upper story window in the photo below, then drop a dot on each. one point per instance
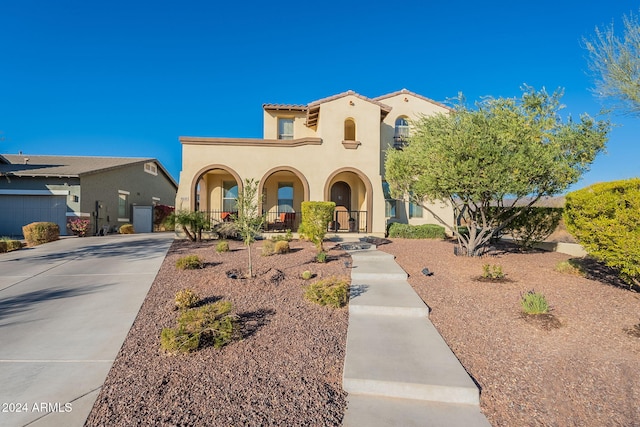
(285, 128)
(401, 134)
(151, 168)
(349, 130)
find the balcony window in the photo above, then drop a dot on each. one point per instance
(285, 128)
(401, 134)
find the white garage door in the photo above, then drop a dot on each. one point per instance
(19, 210)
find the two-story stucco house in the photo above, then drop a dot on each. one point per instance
(332, 149)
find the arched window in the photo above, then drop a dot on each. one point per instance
(402, 130)
(349, 130)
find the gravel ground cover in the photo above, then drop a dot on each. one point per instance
(285, 371)
(578, 367)
(532, 372)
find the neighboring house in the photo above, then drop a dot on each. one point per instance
(109, 191)
(332, 149)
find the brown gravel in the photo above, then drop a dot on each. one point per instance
(286, 371)
(576, 368)
(584, 373)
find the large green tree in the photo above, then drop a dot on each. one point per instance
(615, 63)
(486, 161)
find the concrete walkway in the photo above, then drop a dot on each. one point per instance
(65, 310)
(398, 370)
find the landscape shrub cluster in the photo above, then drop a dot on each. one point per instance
(38, 233)
(210, 324)
(126, 229)
(331, 291)
(8, 245)
(189, 262)
(315, 220)
(605, 219)
(424, 231)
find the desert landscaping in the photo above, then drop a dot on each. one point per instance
(577, 367)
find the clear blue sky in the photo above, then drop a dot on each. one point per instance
(127, 78)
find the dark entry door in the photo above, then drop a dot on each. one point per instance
(341, 196)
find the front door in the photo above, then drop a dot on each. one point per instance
(341, 196)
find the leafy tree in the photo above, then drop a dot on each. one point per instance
(315, 220)
(504, 152)
(605, 218)
(249, 220)
(615, 62)
(191, 222)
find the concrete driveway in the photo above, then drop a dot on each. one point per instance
(65, 310)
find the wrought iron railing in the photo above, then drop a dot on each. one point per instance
(349, 222)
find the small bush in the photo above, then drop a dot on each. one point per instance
(79, 226)
(315, 220)
(332, 291)
(210, 324)
(321, 257)
(186, 298)
(570, 266)
(8, 245)
(288, 236)
(126, 229)
(492, 272)
(227, 230)
(534, 303)
(424, 231)
(222, 246)
(533, 226)
(268, 247)
(38, 233)
(189, 262)
(282, 247)
(306, 275)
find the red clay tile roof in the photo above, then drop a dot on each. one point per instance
(408, 92)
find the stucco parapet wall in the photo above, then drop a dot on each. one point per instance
(250, 142)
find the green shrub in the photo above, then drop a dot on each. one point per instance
(226, 230)
(126, 229)
(288, 236)
(533, 226)
(331, 291)
(321, 257)
(211, 324)
(315, 220)
(605, 219)
(534, 303)
(492, 272)
(424, 231)
(38, 233)
(7, 244)
(282, 247)
(268, 247)
(222, 246)
(570, 266)
(189, 262)
(186, 298)
(306, 275)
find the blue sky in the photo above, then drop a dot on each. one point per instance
(127, 78)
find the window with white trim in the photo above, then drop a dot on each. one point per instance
(151, 168)
(123, 205)
(285, 197)
(229, 196)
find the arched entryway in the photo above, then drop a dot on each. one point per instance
(215, 191)
(283, 190)
(352, 193)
